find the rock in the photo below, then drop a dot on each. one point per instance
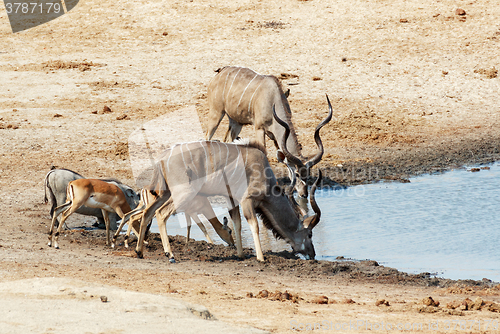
(106, 109)
(453, 305)
(263, 294)
(382, 302)
(478, 303)
(320, 300)
(494, 307)
(122, 116)
(348, 301)
(249, 295)
(428, 301)
(428, 309)
(460, 11)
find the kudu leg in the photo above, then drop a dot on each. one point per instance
(236, 218)
(251, 217)
(214, 119)
(162, 214)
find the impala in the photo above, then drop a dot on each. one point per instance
(92, 193)
(147, 197)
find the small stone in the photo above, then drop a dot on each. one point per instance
(106, 109)
(403, 20)
(263, 294)
(104, 299)
(122, 116)
(58, 115)
(320, 300)
(382, 302)
(460, 11)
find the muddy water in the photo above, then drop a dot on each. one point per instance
(446, 224)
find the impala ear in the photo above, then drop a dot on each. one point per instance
(311, 222)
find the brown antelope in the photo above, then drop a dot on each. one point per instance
(238, 172)
(248, 98)
(93, 194)
(147, 197)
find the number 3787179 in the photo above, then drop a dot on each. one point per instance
(32, 7)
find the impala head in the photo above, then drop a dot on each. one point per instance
(301, 168)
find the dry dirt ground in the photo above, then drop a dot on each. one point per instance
(414, 88)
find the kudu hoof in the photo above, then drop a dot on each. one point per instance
(139, 254)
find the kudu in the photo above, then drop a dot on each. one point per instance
(247, 97)
(242, 174)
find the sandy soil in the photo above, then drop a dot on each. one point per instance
(413, 86)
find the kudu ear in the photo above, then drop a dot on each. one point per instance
(281, 156)
(311, 222)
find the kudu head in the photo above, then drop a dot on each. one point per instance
(303, 236)
(302, 168)
(302, 242)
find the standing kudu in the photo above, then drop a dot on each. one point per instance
(242, 174)
(247, 97)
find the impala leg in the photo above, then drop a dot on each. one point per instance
(251, 217)
(125, 219)
(72, 208)
(147, 216)
(105, 215)
(57, 212)
(203, 229)
(162, 215)
(236, 217)
(201, 226)
(134, 226)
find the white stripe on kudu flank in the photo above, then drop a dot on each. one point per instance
(168, 160)
(224, 90)
(255, 91)
(242, 94)
(231, 87)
